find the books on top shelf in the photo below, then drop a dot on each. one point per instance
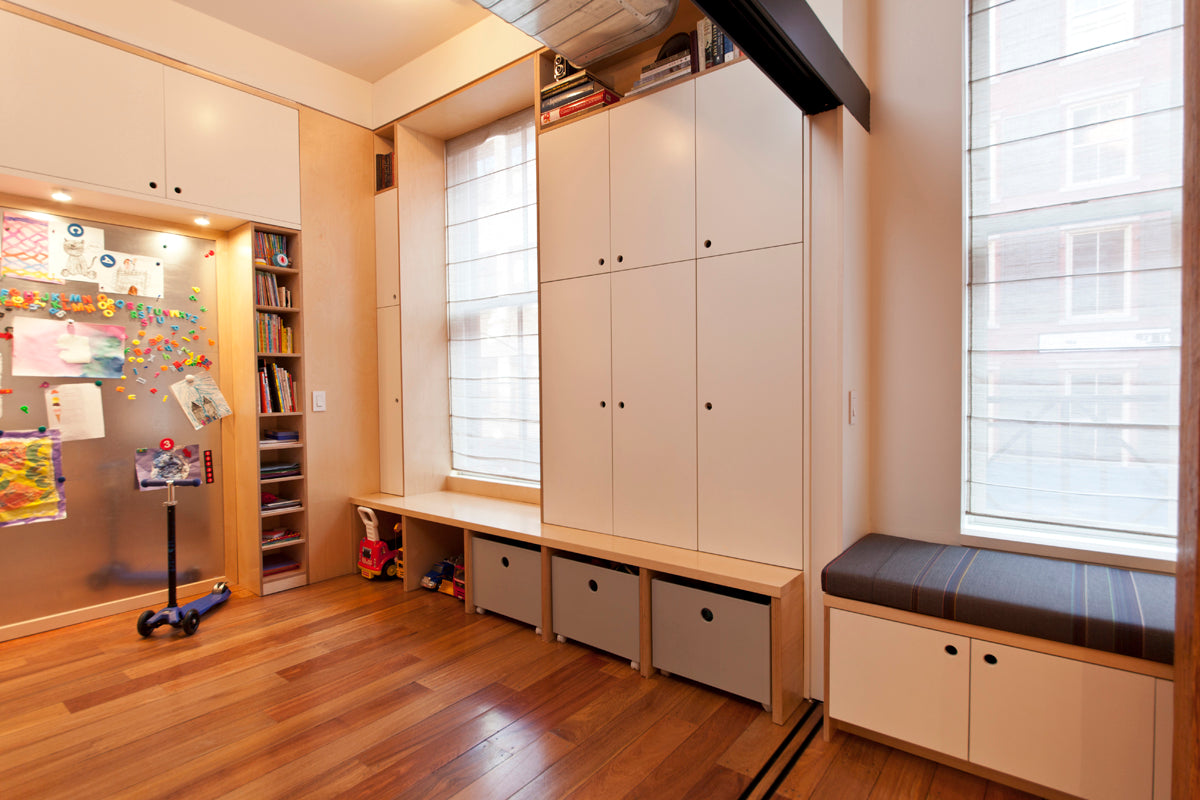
(384, 178)
(664, 70)
(713, 47)
(597, 99)
(268, 292)
(271, 249)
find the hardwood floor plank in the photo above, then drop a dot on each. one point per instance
(853, 772)
(903, 777)
(511, 775)
(949, 783)
(809, 771)
(621, 773)
(720, 783)
(997, 791)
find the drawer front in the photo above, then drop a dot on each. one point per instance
(507, 580)
(596, 606)
(717, 640)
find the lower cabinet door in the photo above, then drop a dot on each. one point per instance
(900, 680)
(1080, 728)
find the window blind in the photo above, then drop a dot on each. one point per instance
(1073, 268)
(491, 291)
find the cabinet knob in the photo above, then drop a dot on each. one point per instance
(708, 406)
(153, 184)
(602, 262)
(603, 404)
(620, 259)
(595, 587)
(951, 649)
(621, 404)
(504, 561)
(708, 242)
(706, 614)
(989, 658)
(178, 190)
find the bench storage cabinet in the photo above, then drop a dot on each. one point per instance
(596, 605)
(713, 637)
(507, 579)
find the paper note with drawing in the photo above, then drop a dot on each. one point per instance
(200, 400)
(25, 248)
(67, 349)
(75, 251)
(76, 410)
(124, 273)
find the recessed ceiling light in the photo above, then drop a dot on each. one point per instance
(201, 221)
(61, 196)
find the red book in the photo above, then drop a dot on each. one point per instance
(602, 97)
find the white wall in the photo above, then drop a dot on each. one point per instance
(184, 34)
(914, 222)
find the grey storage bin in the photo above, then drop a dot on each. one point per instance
(595, 605)
(712, 637)
(507, 579)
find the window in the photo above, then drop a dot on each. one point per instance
(1073, 286)
(491, 292)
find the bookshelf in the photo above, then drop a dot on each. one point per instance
(276, 548)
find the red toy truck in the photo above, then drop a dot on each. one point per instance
(376, 557)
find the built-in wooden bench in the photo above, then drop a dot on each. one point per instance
(439, 524)
(1053, 676)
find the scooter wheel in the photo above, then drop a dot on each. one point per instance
(190, 622)
(220, 588)
(143, 623)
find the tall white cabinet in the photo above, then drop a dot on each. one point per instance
(672, 225)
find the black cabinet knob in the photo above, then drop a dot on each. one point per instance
(621, 404)
(595, 587)
(951, 649)
(989, 658)
(603, 404)
(620, 259)
(602, 262)
(708, 242)
(504, 561)
(708, 406)
(707, 614)
(153, 184)
(178, 190)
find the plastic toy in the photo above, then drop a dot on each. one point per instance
(446, 577)
(186, 618)
(377, 558)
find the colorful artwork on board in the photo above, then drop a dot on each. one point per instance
(124, 273)
(25, 248)
(31, 487)
(47, 347)
(201, 400)
(176, 464)
(75, 251)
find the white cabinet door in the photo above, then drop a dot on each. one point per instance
(576, 404)
(79, 111)
(900, 680)
(387, 249)
(231, 151)
(573, 200)
(653, 178)
(749, 162)
(654, 389)
(1080, 728)
(750, 402)
(391, 402)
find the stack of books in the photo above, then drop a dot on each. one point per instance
(277, 390)
(665, 70)
(268, 292)
(272, 502)
(271, 249)
(282, 436)
(383, 172)
(273, 335)
(713, 47)
(275, 563)
(267, 471)
(279, 535)
(573, 94)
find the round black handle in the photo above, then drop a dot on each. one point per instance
(620, 259)
(989, 658)
(706, 614)
(708, 242)
(153, 184)
(621, 404)
(504, 561)
(603, 404)
(951, 649)
(178, 190)
(595, 587)
(708, 406)
(602, 262)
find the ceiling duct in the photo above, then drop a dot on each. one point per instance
(585, 31)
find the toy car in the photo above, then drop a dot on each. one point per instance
(376, 557)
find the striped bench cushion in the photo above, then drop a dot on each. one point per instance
(1104, 608)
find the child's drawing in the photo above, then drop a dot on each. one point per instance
(67, 349)
(30, 472)
(25, 249)
(75, 251)
(200, 400)
(136, 275)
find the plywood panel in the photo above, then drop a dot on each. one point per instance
(337, 188)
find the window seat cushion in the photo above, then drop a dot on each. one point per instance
(1104, 608)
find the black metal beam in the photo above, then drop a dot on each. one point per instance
(788, 42)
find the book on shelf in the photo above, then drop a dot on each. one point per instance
(277, 535)
(272, 502)
(273, 335)
(282, 436)
(570, 82)
(268, 292)
(570, 95)
(677, 68)
(271, 249)
(277, 562)
(277, 390)
(597, 99)
(714, 47)
(384, 178)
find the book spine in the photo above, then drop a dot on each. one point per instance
(674, 63)
(569, 96)
(601, 98)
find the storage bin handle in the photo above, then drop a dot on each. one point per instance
(595, 587)
(706, 614)
(504, 561)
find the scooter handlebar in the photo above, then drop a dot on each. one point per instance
(189, 482)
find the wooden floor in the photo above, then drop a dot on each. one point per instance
(350, 688)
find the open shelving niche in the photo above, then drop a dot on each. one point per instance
(261, 558)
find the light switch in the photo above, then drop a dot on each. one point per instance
(852, 416)
(318, 401)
